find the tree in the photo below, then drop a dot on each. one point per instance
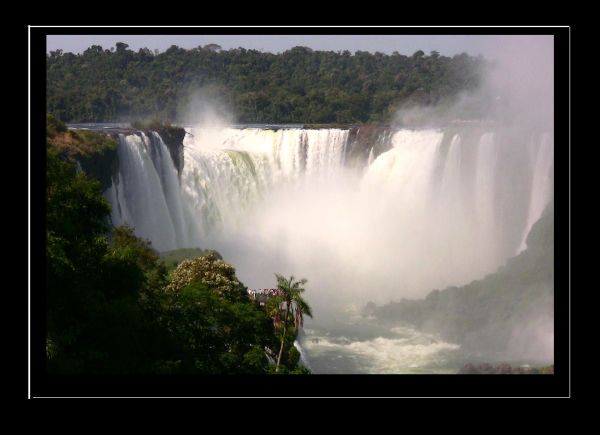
(214, 335)
(121, 47)
(212, 47)
(290, 302)
(216, 327)
(210, 270)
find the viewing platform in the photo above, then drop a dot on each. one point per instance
(261, 296)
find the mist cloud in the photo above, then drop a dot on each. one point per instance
(516, 90)
(205, 108)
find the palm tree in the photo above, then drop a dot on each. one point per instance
(289, 301)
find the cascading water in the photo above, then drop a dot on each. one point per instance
(371, 157)
(440, 208)
(146, 192)
(542, 182)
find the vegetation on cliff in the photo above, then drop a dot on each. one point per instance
(96, 152)
(297, 86)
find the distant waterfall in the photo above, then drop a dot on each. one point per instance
(542, 183)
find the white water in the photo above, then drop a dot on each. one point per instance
(431, 212)
(146, 192)
(303, 359)
(371, 157)
(402, 350)
(542, 182)
(426, 214)
(228, 173)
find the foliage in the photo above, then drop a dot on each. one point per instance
(78, 144)
(211, 271)
(54, 126)
(113, 307)
(108, 310)
(215, 335)
(96, 152)
(297, 86)
(92, 322)
(75, 216)
(176, 256)
(136, 256)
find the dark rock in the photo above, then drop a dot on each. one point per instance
(173, 139)
(362, 139)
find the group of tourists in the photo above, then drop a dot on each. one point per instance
(268, 292)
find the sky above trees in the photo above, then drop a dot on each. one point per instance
(447, 45)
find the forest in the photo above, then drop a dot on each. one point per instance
(297, 86)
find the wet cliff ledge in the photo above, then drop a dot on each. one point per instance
(368, 139)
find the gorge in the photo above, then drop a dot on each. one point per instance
(366, 214)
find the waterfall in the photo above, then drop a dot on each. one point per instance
(145, 192)
(541, 185)
(227, 172)
(303, 358)
(438, 208)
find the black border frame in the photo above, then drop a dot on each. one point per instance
(557, 385)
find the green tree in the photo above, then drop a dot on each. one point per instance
(212, 47)
(217, 329)
(99, 293)
(288, 309)
(211, 270)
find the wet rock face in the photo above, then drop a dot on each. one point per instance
(173, 139)
(366, 138)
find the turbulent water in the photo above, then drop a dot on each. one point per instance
(439, 208)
